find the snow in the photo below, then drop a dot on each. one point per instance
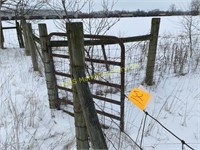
(25, 116)
(26, 121)
(135, 26)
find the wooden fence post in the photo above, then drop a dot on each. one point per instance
(27, 50)
(48, 66)
(19, 35)
(82, 141)
(1, 35)
(155, 23)
(32, 47)
(77, 58)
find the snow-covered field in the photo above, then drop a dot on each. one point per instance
(26, 121)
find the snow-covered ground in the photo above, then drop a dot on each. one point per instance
(26, 121)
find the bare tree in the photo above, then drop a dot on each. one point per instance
(172, 8)
(24, 8)
(190, 25)
(101, 25)
(98, 26)
(195, 7)
(21, 10)
(64, 9)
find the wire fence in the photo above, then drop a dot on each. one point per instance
(10, 38)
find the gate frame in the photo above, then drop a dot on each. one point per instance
(102, 40)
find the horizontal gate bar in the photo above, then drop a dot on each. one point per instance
(64, 43)
(64, 88)
(60, 55)
(103, 61)
(68, 112)
(5, 28)
(108, 115)
(98, 111)
(89, 80)
(62, 74)
(92, 81)
(106, 83)
(90, 60)
(107, 99)
(94, 96)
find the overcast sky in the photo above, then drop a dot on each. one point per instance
(149, 4)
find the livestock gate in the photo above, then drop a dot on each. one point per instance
(105, 74)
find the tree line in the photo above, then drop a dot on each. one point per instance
(29, 10)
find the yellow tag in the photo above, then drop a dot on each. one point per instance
(139, 97)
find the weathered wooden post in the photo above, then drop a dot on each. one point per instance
(19, 35)
(85, 102)
(82, 141)
(27, 50)
(1, 30)
(1, 35)
(32, 47)
(155, 23)
(48, 66)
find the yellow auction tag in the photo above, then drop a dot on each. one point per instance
(139, 97)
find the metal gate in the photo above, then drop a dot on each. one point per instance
(105, 75)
